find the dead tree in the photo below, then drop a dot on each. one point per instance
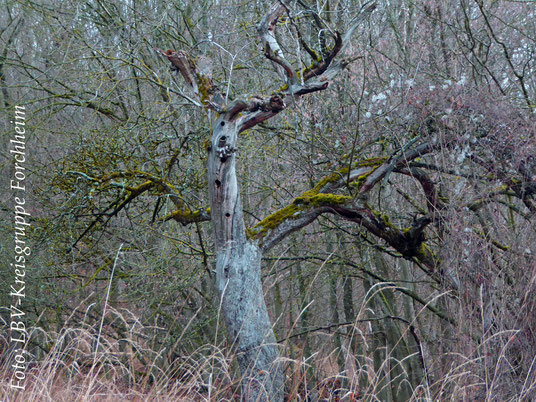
(238, 254)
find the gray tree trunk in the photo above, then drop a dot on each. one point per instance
(238, 276)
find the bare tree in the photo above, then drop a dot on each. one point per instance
(238, 256)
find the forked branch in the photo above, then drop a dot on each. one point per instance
(314, 78)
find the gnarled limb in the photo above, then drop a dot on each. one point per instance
(316, 78)
(363, 176)
(272, 50)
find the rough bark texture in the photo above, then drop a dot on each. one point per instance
(238, 274)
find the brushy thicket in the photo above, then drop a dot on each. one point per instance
(355, 318)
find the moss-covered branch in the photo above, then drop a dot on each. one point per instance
(320, 199)
(187, 216)
(202, 84)
(130, 191)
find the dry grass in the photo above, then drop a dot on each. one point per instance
(122, 369)
(126, 369)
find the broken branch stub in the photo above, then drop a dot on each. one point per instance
(202, 85)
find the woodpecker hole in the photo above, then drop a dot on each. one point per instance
(222, 141)
(218, 183)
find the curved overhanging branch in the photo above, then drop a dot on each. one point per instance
(397, 162)
(312, 203)
(363, 176)
(433, 198)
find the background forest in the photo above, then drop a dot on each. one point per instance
(413, 280)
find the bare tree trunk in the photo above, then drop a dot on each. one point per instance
(238, 277)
